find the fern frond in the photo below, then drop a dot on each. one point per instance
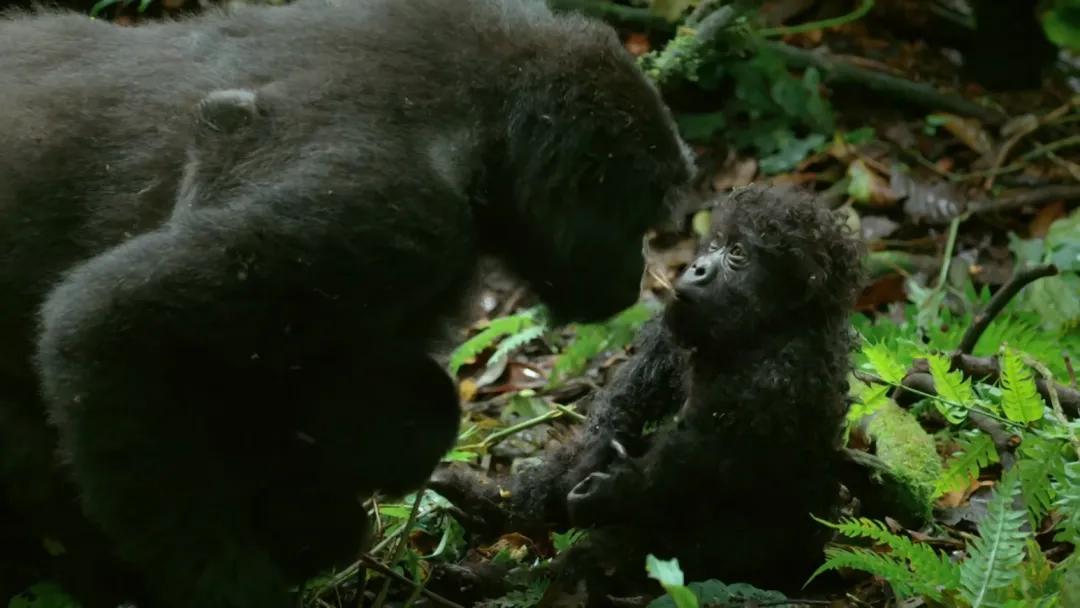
(1040, 461)
(593, 338)
(976, 451)
(884, 363)
(1020, 399)
(903, 581)
(934, 568)
(994, 556)
(952, 387)
(516, 341)
(1068, 504)
(508, 325)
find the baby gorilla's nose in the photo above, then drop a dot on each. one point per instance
(700, 273)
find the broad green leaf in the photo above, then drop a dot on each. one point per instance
(670, 577)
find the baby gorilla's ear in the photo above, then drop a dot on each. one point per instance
(806, 270)
(227, 111)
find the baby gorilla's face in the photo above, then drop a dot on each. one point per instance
(722, 293)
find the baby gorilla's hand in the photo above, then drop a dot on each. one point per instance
(600, 498)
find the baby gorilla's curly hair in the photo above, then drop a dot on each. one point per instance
(752, 355)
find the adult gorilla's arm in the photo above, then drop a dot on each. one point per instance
(164, 359)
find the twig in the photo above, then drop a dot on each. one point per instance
(403, 539)
(1022, 199)
(1029, 126)
(1069, 368)
(998, 302)
(617, 12)
(498, 436)
(801, 28)
(987, 369)
(837, 71)
(922, 384)
(663, 282)
(370, 562)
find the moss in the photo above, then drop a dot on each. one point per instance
(909, 453)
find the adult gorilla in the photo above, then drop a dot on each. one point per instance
(229, 243)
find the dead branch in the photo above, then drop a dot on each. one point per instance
(988, 369)
(1022, 199)
(998, 302)
(836, 70)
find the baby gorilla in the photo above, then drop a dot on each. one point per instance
(754, 348)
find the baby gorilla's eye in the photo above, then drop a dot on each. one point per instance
(736, 256)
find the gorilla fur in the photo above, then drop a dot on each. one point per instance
(230, 242)
(752, 358)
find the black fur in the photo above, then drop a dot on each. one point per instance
(753, 358)
(229, 244)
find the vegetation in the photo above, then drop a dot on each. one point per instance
(964, 385)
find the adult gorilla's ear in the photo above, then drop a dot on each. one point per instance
(228, 111)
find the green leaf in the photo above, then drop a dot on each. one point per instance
(976, 451)
(594, 338)
(716, 593)
(562, 542)
(1054, 300)
(670, 577)
(790, 154)
(1062, 24)
(670, 10)
(43, 595)
(926, 571)
(700, 127)
(1020, 399)
(884, 363)
(1068, 504)
(994, 556)
(951, 386)
(498, 328)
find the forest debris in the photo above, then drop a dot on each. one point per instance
(934, 203)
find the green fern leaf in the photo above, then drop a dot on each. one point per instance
(1040, 461)
(516, 341)
(1068, 504)
(934, 569)
(994, 556)
(904, 582)
(884, 363)
(951, 386)
(502, 326)
(976, 451)
(594, 338)
(1020, 399)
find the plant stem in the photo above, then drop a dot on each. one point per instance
(854, 15)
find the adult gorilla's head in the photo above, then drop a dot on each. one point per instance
(591, 159)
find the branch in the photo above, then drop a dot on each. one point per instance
(836, 70)
(1022, 199)
(987, 369)
(998, 302)
(370, 562)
